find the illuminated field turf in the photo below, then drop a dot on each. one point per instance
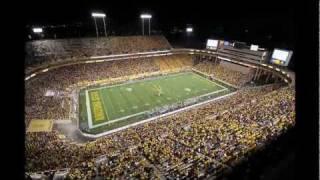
(109, 107)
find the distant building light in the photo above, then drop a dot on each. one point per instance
(37, 30)
(189, 29)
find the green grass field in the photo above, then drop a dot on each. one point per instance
(109, 107)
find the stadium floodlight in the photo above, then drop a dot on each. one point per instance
(143, 17)
(99, 15)
(189, 29)
(37, 30)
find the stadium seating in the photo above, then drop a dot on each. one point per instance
(51, 51)
(231, 76)
(220, 131)
(198, 143)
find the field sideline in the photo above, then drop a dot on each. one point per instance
(122, 104)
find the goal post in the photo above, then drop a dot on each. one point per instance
(158, 89)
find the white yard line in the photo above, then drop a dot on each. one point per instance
(88, 109)
(215, 92)
(218, 85)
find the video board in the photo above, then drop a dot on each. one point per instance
(212, 44)
(281, 57)
(254, 47)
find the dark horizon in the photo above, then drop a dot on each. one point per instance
(258, 19)
(269, 24)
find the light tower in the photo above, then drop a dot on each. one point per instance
(143, 17)
(99, 15)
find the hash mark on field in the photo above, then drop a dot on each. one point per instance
(135, 107)
(169, 98)
(147, 104)
(122, 110)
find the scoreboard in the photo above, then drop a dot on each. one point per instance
(254, 47)
(212, 44)
(281, 57)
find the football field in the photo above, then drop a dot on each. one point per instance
(119, 105)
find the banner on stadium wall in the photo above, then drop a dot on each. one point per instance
(39, 125)
(51, 93)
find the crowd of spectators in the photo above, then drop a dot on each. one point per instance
(39, 106)
(233, 77)
(174, 62)
(198, 143)
(51, 51)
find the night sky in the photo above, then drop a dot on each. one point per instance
(267, 23)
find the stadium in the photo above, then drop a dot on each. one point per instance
(149, 104)
(136, 107)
